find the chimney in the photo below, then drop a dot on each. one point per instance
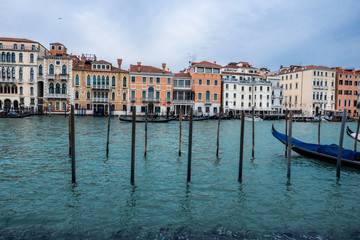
(139, 66)
(163, 67)
(119, 63)
(83, 58)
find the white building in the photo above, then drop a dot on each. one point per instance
(276, 95)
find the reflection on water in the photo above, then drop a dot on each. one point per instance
(38, 199)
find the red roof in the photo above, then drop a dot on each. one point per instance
(80, 65)
(205, 64)
(184, 75)
(149, 69)
(301, 68)
(16, 40)
(101, 61)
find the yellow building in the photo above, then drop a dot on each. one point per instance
(98, 86)
(18, 72)
(54, 79)
(308, 89)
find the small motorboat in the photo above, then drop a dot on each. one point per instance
(256, 119)
(149, 120)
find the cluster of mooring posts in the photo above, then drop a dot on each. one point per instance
(288, 138)
(288, 141)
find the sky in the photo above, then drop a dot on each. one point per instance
(264, 33)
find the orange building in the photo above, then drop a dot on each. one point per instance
(346, 96)
(150, 87)
(206, 86)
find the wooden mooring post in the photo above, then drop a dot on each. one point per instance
(73, 174)
(338, 165)
(253, 132)
(319, 127)
(286, 128)
(241, 146)
(146, 130)
(218, 134)
(190, 145)
(180, 120)
(70, 133)
(108, 137)
(132, 175)
(289, 147)
(356, 135)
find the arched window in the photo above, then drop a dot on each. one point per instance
(3, 72)
(124, 82)
(8, 72)
(207, 97)
(31, 73)
(124, 96)
(64, 69)
(113, 81)
(103, 80)
(31, 57)
(40, 69)
(1, 91)
(20, 74)
(51, 69)
(8, 58)
(77, 80)
(88, 80)
(151, 93)
(113, 96)
(63, 89)
(20, 57)
(76, 94)
(3, 57)
(13, 57)
(107, 81)
(94, 94)
(57, 88)
(88, 95)
(94, 80)
(32, 91)
(21, 90)
(51, 88)
(13, 73)
(98, 80)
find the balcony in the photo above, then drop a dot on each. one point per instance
(19, 48)
(64, 77)
(133, 99)
(168, 100)
(156, 100)
(182, 86)
(208, 102)
(333, 88)
(100, 100)
(7, 80)
(320, 87)
(51, 76)
(319, 101)
(40, 75)
(56, 95)
(101, 87)
(183, 101)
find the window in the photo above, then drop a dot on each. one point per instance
(40, 69)
(199, 96)
(157, 80)
(216, 70)
(57, 88)
(22, 47)
(59, 48)
(157, 95)
(208, 82)
(13, 57)
(31, 74)
(200, 81)
(215, 96)
(208, 70)
(340, 92)
(63, 89)
(20, 57)
(88, 80)
(113, 96)
(168, 80)
(113, 82)
(20, 74)
(296, 85)
(132, 79)
(124, 82)
(144, 79)
(103, 66)
(107, 81)
(76, 94)
(31, 57)
(107, 67)
(51, 88)
(77, 80)
(226, 95)
(168, 95)
(143, 94)
(33, 47)
(124, 96)
(234, 86)
(64, 70)
(200, 69)
(57, 62)
(94, 80)
(94, 66)
(51, 69)
(21, 90)
(216, 81)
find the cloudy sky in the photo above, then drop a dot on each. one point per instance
(265, 33)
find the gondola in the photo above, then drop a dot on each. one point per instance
(155, 120)
(14, 115)
(325, 153)
(352, 134)
(195, 118)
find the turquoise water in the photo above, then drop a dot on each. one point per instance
(38, 200)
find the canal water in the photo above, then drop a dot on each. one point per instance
(38, 200)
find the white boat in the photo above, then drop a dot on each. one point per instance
(256, 119)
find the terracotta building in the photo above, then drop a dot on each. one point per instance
(183, 96)
(206, 86)
(150, 87)
(346, 95)
(99, 87)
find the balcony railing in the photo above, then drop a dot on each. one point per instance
(52, 76)
(182, 86)
(56, 95)
(11, 47)
(183, 101)
(100, 100)
(150, 99)
(103, 87)
(133, 99)
(64, 76)
(168, 100)
(207, 101)
(319, 101)
(7, 80)
(320, 87)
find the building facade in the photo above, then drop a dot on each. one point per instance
(18, 73)
(98, 87)
(244, 88)
(276, 95)
(182, 95)
(150, 88)
(206, 86)
(308, 89)
(346, 95)
(54, 80)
